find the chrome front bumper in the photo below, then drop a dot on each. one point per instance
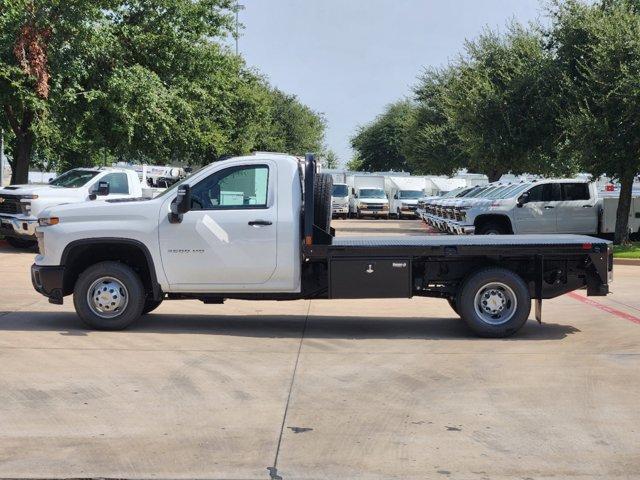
(18, 227)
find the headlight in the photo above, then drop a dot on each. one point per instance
(48, 221)
(385, 206)
(362, 205)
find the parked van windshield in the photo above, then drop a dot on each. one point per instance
(340, 191)
(372, 193)
(410, 194)
(73, 178)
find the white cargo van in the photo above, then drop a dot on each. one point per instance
(403, 194)
(368, 197)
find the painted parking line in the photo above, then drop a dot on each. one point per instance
(604, 308)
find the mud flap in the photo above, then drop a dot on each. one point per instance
(538, 309)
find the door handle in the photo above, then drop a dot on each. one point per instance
(548, 207)
(587, 206)
(259, 223)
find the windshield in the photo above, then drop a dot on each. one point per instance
(372, 193)
(410, 194)
(73, 178)
(340, 191)
(515, 191)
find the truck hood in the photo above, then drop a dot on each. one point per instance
(40, 190)
(103, 210)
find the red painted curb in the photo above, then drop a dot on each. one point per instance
(604, 308)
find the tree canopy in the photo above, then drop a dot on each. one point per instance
(380, 143)
(84, 82)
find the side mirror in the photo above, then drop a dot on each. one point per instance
(183, 199)
(395, 197)
(522, 199)
(355, 195)
(51, 179)
(103, 189)
(181, 205)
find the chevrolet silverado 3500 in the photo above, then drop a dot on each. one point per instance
(258, 228)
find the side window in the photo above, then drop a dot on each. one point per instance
(117, 183)
(548, 192)
(535, 194)
(232, 188)
(575, 191)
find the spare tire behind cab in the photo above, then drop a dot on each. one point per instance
(322, 188)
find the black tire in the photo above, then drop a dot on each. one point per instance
(150, 305)
(322, 187)
(474, 284)
(21, 243)
(492, 228)
(126, 276)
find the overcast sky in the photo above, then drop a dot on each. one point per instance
(350, 58)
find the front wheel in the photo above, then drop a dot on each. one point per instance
(494, 302)
(109, 296)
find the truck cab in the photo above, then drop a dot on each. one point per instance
(20, 205)
(547, 206)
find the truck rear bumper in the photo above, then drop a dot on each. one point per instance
(18, 227)
(48, 281)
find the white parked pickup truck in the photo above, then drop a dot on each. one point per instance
(545, 206)
(258, 227)
(20, 205)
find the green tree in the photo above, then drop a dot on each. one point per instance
(35, 71)
(294, 127)
(355, 164)
(502, 104)
(380, 143)
(330, 159)
(432, 145)
(598, 49)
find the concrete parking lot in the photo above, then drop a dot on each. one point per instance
(389, 389)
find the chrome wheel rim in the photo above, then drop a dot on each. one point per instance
(107, 297)
(495, 303)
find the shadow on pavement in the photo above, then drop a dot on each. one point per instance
(282, 326)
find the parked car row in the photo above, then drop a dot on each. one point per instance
(545, 206)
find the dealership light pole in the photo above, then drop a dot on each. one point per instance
(237, 9)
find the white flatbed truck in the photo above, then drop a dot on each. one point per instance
(258, 228)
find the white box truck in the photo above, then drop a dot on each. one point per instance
(403, 194)
(368, 198)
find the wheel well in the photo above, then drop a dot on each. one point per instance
(81, 255)
(501, 220)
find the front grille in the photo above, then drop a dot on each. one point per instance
(10, 205)
(374, 206)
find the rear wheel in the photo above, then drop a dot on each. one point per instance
(21, 243)
(494, 302)
(109, 296)
(323, 184)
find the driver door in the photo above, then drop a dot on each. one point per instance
(228, 238)
(539, 214)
